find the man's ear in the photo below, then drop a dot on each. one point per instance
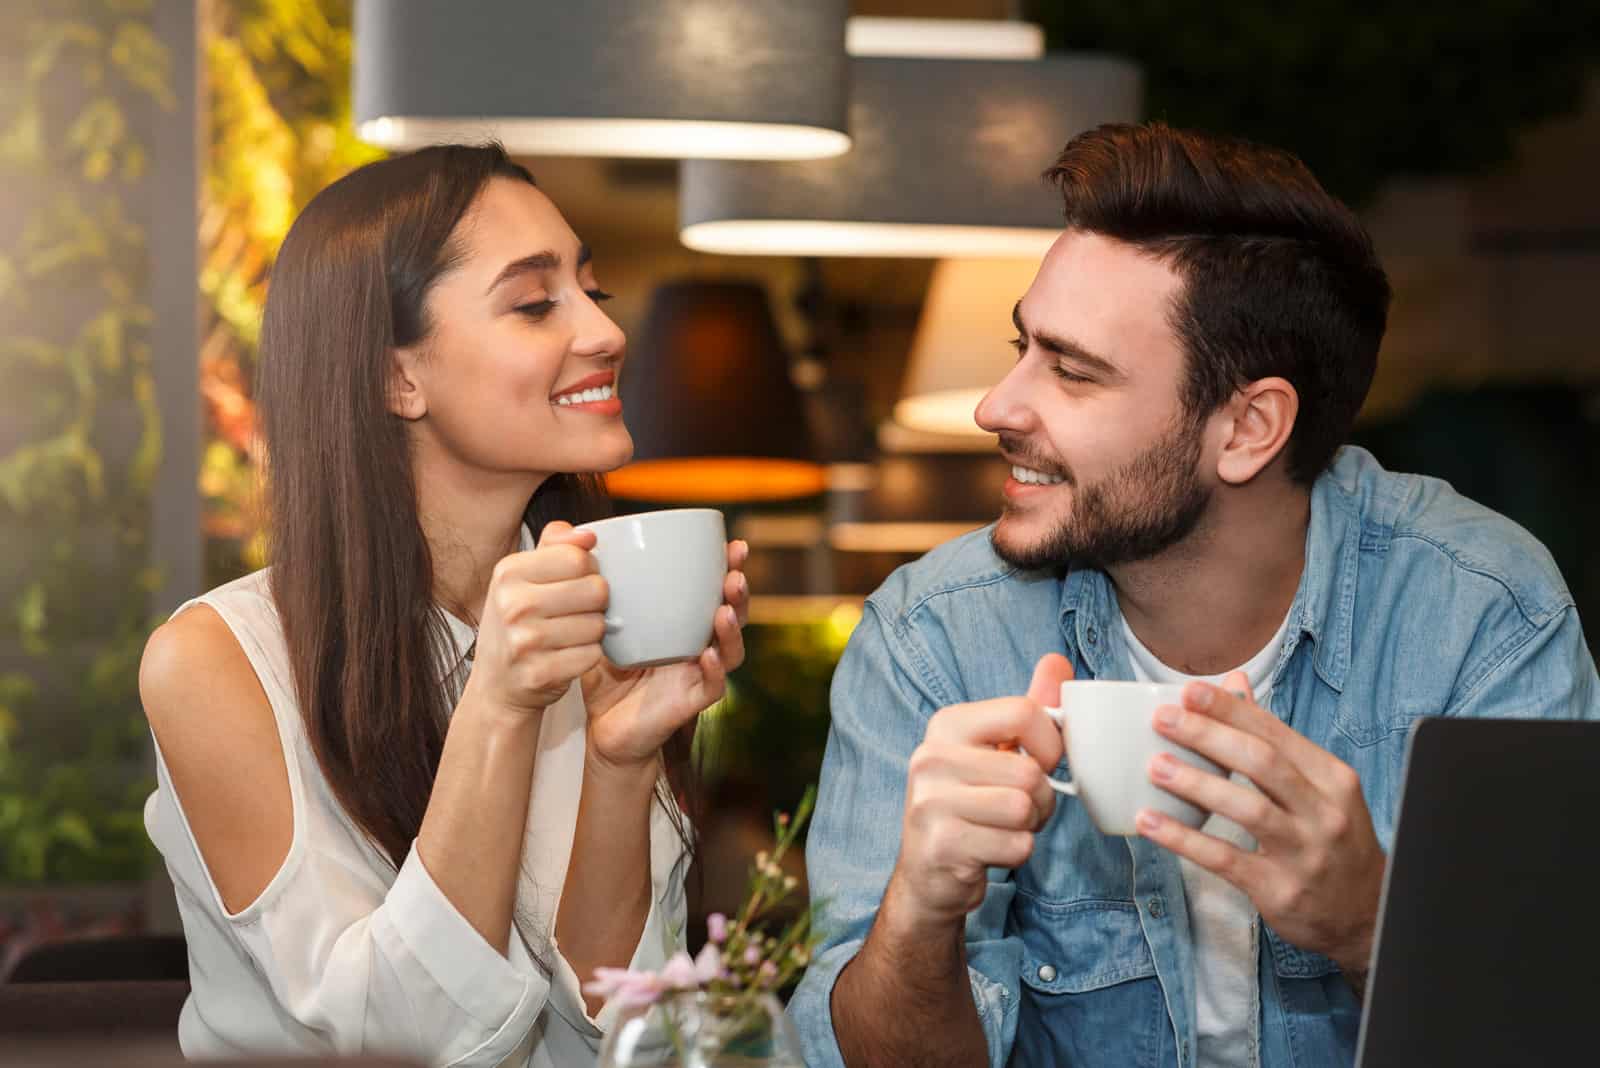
(406, 398)
(1264, 413)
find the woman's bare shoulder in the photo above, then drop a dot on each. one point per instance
(220, 742)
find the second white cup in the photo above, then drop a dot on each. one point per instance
(1110, 739)
(665, 570)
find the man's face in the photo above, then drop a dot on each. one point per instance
(1106, 461)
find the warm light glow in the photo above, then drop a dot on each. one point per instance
(895, 537)
(615, 138)
(949, 412)
(962, 345)
(716, 478)
(798, 237)
(867, 35)
(837, 612)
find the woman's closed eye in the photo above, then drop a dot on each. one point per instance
(538, 309)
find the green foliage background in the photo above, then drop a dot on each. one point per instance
(279, 130)
(80, 437)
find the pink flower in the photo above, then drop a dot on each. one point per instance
(752, 953)
(630, 989)
(768, 972)
(679, 973)
(717, 927)
(708, 965)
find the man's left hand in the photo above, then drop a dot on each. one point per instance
(1317, 870)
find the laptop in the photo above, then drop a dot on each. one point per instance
(1488, 946)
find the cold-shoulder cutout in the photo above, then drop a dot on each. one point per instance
(219, 740)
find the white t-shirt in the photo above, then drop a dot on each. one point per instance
(343, 954)
(1222, 921)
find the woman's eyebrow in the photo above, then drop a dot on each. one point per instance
(547, 260)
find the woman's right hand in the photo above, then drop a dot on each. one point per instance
(542, 622)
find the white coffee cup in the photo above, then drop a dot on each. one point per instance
(665, 570)
(1110, 738)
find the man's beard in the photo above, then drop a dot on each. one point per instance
(1139, 510)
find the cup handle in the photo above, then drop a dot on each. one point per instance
(613, 624)
(1060, 787)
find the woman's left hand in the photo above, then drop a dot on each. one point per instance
(633, 712)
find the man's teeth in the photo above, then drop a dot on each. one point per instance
(588, 396)
(1032, 477)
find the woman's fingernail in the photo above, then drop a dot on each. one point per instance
(1200, 696)
(1147, 822)
(1168, 715)
(1163, 767)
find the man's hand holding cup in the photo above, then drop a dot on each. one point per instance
(975, 795)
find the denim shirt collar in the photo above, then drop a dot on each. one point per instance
(1322, 610)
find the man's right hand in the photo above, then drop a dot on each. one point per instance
(975, 795)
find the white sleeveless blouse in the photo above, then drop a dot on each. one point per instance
(342, 954)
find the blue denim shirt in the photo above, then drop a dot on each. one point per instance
(1414, 601)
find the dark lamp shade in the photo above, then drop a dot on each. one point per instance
(946, 161)
(756, 79)
(709, 402)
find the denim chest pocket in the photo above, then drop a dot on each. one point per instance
(1289, 961)
(1320, 1012)
(1080, 946)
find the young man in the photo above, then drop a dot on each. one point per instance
(1190, 358)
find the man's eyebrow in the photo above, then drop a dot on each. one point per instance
(1066, 348)
(538, 261)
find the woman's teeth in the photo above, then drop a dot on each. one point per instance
(588, 396)
(1035, 478)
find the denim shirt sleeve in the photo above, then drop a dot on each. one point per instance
(1545, 672)
(884, 692)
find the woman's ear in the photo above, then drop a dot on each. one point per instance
(1264, 416)
(406, 397)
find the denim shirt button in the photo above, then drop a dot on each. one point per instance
(1047, 973)
(1158, 908)
(1093, 635)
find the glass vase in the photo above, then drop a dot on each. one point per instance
(698, 1029)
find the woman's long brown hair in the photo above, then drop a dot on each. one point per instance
(352, 574)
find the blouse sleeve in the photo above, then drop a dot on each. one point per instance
(389, 970)
(662, 936)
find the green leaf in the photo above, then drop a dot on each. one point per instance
(144, 61)
(147, 458)
(32, 618)
(33, 350)
(22, 144)
(72, 829)
(97, 133)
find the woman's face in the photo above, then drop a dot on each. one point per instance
(519, 372)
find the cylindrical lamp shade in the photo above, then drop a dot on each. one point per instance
(709, 402)
(946, 161)
(757, 79)
(960, 349)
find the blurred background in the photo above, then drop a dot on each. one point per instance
(810, 335)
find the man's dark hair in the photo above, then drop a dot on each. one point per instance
(1280, 278)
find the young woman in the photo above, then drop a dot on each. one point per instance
(405, 801)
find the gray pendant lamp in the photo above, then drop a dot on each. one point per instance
(756, 79)
(714, 415)
(946, 161)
